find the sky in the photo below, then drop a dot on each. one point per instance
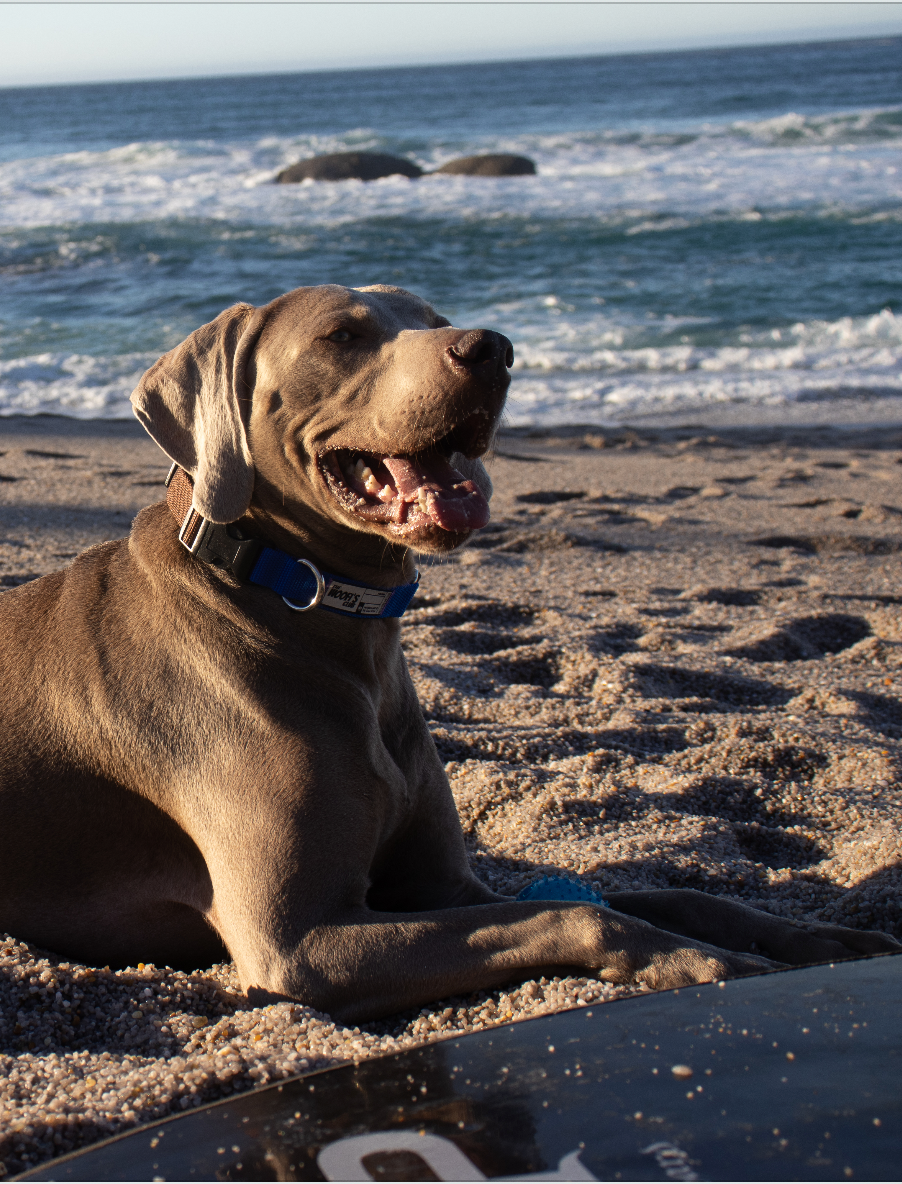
(72, 41)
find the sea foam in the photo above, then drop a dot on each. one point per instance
(759, 169)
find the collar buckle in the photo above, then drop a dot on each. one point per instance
(193, 529)
(217, 545)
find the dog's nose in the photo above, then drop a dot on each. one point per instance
(480, 347)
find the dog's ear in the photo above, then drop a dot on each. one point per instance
(194, 402)
(475, 471)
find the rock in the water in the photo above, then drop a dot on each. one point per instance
(492, 164)
(345, 166)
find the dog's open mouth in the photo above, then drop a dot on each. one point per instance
(407, 493)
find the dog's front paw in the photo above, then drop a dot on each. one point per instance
(690, 964)
(833, 943)
(729, 923)
(638, 952)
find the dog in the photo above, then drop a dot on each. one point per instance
(210, 742)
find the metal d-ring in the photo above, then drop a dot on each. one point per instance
(318, 595)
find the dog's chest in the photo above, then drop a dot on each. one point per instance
(367, 704)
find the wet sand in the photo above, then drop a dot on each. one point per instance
(674, 658)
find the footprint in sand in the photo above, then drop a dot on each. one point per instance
(825, 544)
(805, 638)
(708, 691)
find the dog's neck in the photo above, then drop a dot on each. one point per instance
(364, 557)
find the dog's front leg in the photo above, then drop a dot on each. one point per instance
(362, 964)
(736, 926)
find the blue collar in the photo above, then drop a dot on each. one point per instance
(301, 580)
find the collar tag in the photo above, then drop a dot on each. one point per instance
(348, 598)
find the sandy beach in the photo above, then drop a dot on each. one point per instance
(673, 659)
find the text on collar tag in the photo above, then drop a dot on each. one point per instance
(368, 602)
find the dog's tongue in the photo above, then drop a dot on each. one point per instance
(442, 493)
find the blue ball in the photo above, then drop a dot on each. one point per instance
(560, 888)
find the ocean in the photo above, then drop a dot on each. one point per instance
(706, 227)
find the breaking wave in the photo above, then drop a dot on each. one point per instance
(846, 161)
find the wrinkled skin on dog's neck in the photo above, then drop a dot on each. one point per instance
(384, 356)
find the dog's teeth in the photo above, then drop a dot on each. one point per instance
(359, 468)
(370, 483)
(423, 500)
(386, 494)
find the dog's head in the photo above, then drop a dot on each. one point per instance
(359, 408)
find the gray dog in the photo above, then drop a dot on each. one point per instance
(191, 764)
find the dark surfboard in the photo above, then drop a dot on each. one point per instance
(795, 1075)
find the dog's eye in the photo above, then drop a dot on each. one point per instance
(340, 335)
